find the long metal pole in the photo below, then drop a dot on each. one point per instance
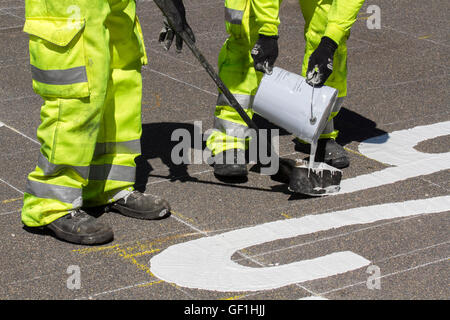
(166, 8)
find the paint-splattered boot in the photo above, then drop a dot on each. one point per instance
(141, 206)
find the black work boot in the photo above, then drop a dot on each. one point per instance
(79, 227)
(142, 206)
(333, 153)
(328, 151)
(235, 168)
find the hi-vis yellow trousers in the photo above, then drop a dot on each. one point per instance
(332, 18)
(86, 58)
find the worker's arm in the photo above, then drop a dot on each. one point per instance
(341, 17)
(174, 23)
(267, 16)
(265, 51)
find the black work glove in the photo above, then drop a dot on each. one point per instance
(265, 52)
(174, 23)
(320, 64)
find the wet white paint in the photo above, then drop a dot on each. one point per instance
(206, 263)
(397, 149)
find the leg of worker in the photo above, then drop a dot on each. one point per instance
(118, 143)
(113, 169)
(315, 13)
(69, 61)
(237, 71)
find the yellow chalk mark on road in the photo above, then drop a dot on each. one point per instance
(177, 236)
(133, 261)
(158, 100)
(149, 284)
(129, 252)
(138, 254)
(362, 155)
(358, 154)
(11, 200)
(234, 297)
(95, 249)
(354, 152)
(424, 37)
(179, 215)
(286, 216)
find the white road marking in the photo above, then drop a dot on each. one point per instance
(397, 149)
(344, 234)
(206, 263)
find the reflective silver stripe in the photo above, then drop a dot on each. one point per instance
(59, 77)
(51, 168)
(52, 191)
(124, 147)
(112, 172)
(232, 128)
(245, 100)
(233, 16)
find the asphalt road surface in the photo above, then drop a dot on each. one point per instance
(385, 236)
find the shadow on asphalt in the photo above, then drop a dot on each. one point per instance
(351, 126)
(156, 143)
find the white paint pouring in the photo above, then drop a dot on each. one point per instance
(312, 155)
(285, 99)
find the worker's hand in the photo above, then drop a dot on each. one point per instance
(320, 64)
(265, 53)
(174, 23)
